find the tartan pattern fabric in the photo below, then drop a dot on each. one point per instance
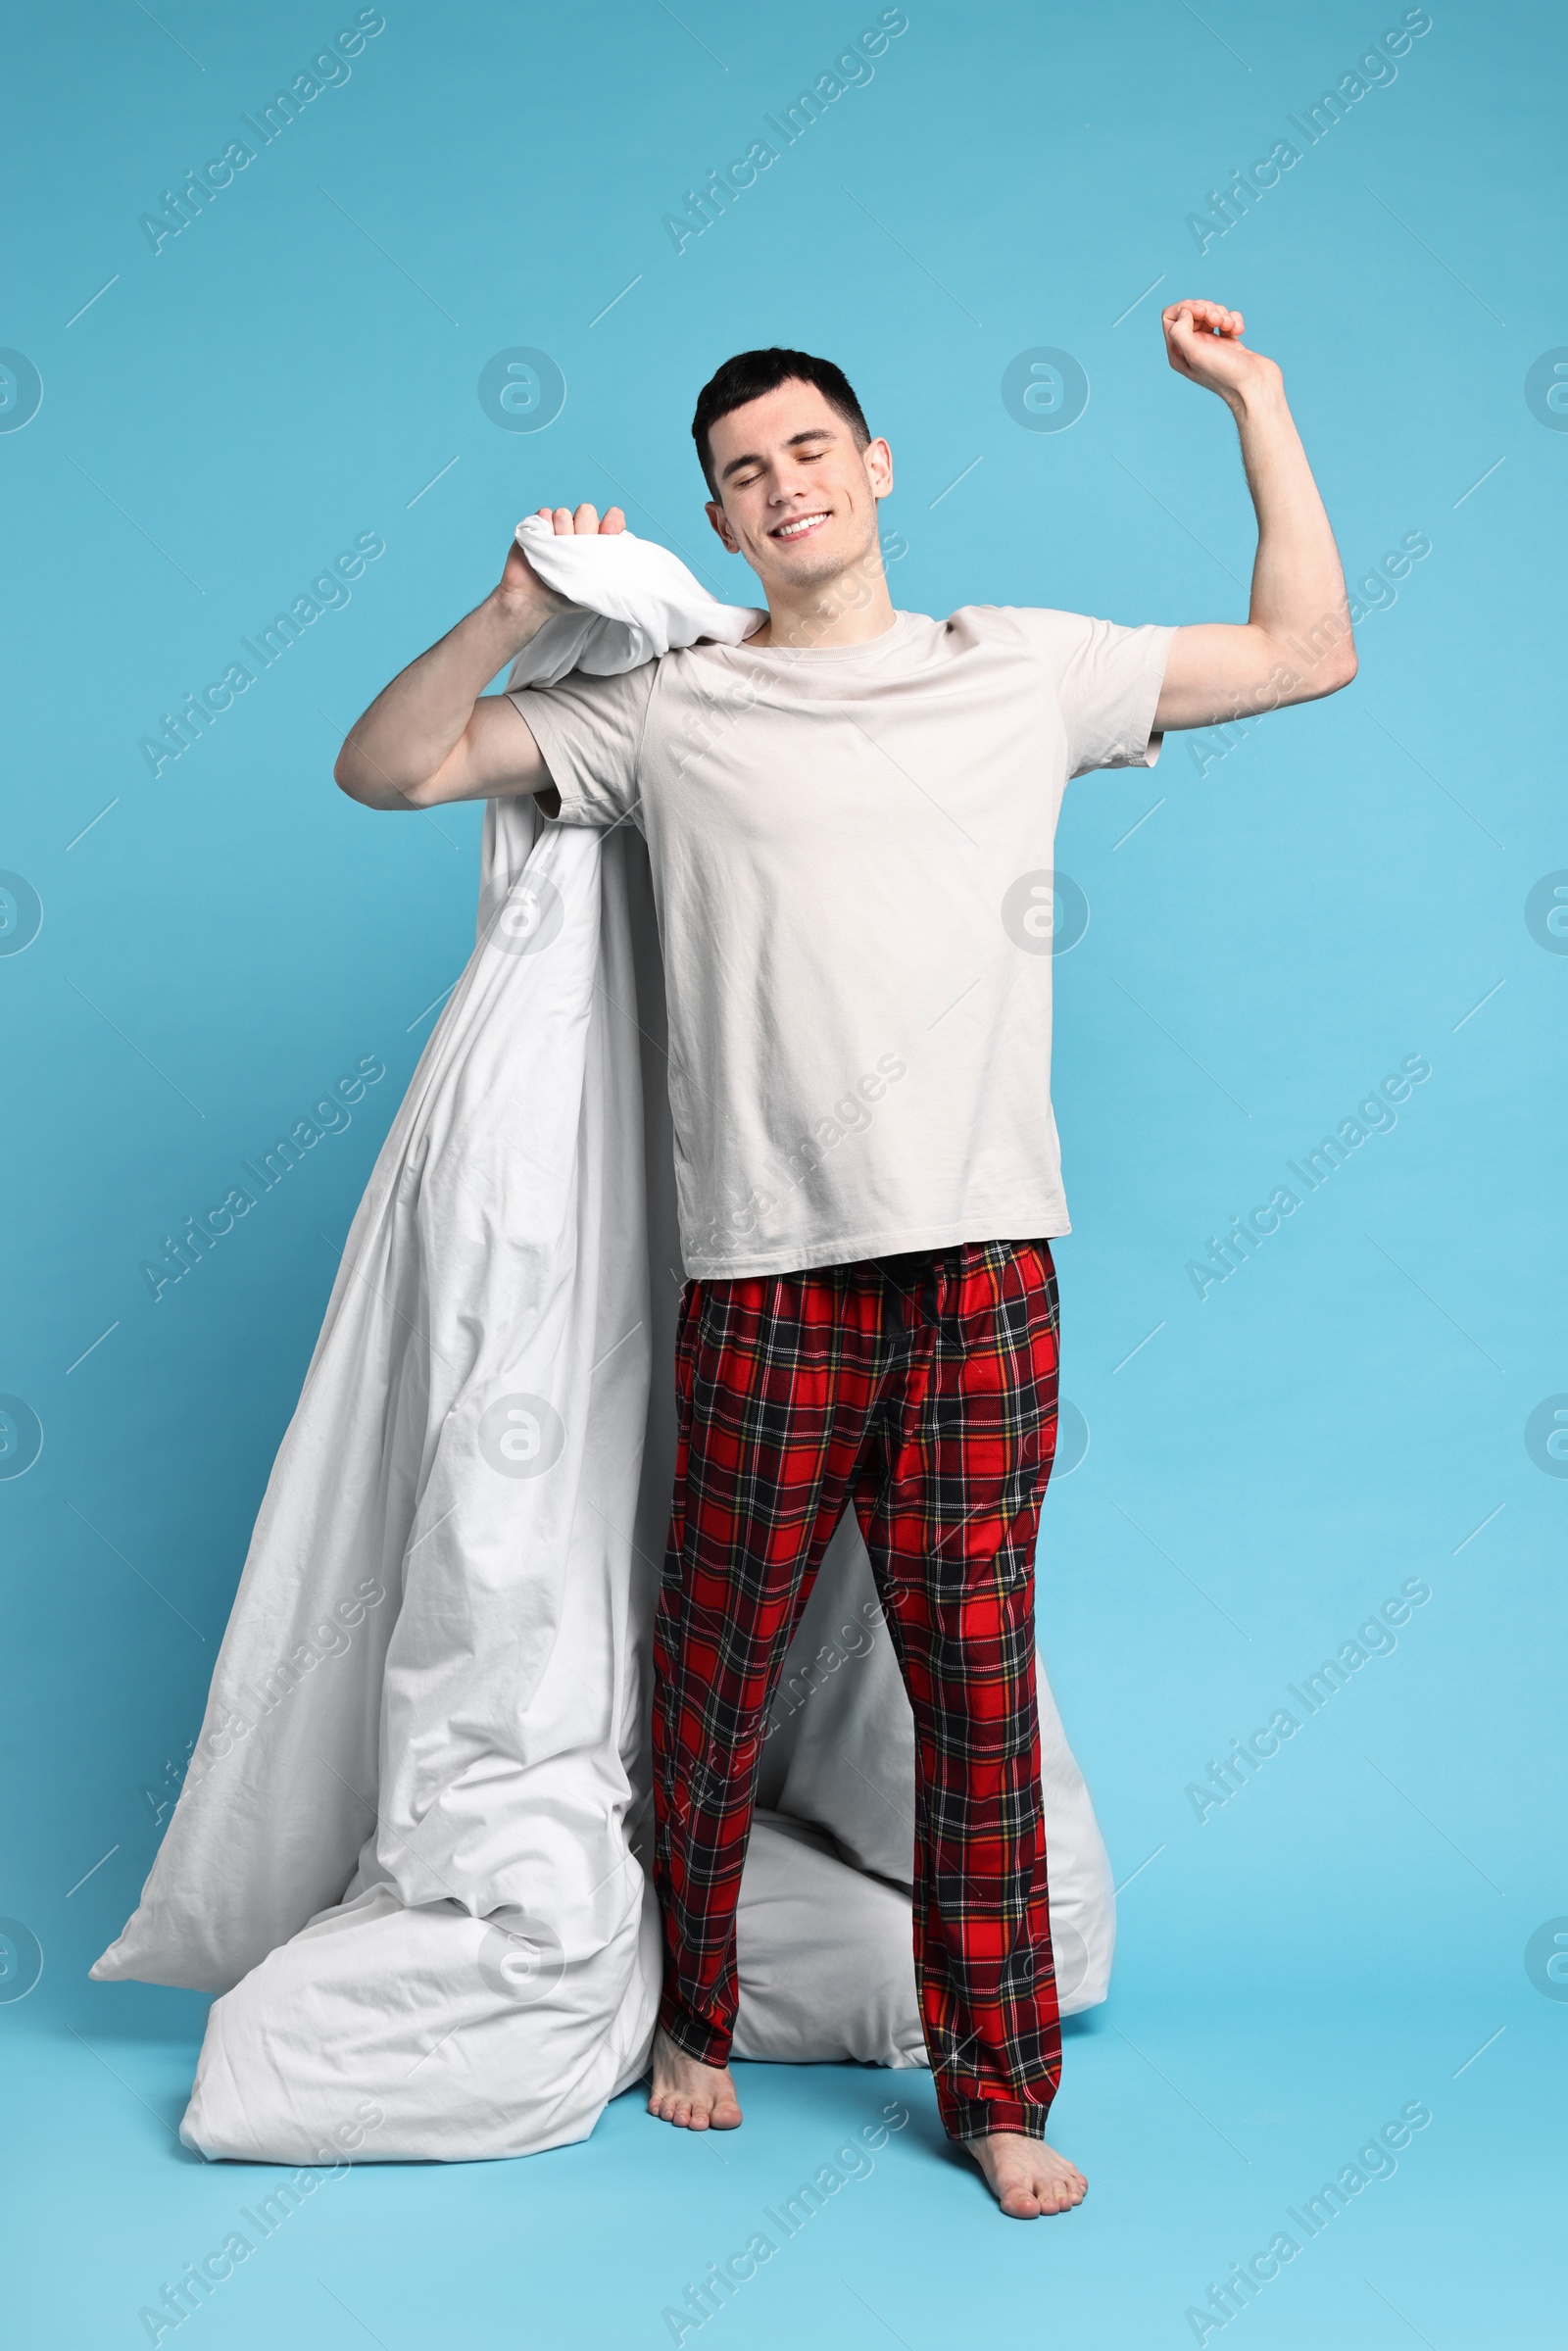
(921, 1388)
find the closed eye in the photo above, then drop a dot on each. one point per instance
(746, 471)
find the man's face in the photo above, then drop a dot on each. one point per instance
(795, 497)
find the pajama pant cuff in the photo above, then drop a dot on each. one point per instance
(688, 2033)
(979, 2118)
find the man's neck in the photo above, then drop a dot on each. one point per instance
(850, 608)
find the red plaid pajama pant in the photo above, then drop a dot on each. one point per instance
(922, 1389)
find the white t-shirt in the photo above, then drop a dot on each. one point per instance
(851, 859)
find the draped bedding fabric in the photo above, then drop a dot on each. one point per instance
(408, 1852)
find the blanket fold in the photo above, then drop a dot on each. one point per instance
(408, 1847)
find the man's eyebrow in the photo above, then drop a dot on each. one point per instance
(815, 432)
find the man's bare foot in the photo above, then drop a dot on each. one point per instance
(693, 2094)
(1027, 2177)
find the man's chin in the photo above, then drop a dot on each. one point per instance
(809, 565)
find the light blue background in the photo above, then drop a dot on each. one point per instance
(1340, 891)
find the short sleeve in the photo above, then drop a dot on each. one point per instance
(589, 733)
(1107, 680)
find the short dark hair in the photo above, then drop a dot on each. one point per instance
(750, 373)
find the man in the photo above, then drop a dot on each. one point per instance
(850, 819)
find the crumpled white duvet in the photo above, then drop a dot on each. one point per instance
(408, 1848)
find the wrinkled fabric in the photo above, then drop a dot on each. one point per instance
(637, 600)
(407, 1853)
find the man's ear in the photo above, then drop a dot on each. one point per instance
(877, 459)
(720, 522)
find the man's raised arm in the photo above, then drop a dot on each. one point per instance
(433, 734)
(1295, 642)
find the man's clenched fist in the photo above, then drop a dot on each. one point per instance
(1203, 342)
(520, 585)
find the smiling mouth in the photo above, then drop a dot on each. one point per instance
(798, 526)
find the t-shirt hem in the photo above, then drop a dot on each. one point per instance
(1039, 1221)
(1143, 745)
(552, 732)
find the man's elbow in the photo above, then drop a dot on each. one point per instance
(344, 776)
(1330, 669)
(1343, 667)
(361, 789)
(354, 775)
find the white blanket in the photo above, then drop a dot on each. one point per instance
(408, 1851)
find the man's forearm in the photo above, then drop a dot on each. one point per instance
(1298, 596)
(415, 723)
(1295, 642)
